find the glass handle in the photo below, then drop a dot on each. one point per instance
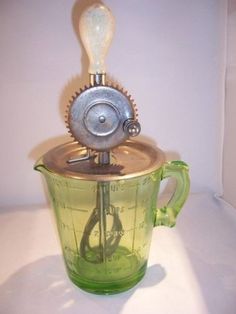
(166, 216)
(96, 31)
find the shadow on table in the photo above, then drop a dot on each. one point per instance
(43, 287)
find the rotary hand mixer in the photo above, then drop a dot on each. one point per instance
(104, 185)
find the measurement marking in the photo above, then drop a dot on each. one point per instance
(77, 209)
(132, 207)
(141, 225)
(131, 254)
(76, 243)
(135, 216)
(66, 184)
(64, 226)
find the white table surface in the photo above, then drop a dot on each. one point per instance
(192, 267)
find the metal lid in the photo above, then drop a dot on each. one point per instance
(128, 160)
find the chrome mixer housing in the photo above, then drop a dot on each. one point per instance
(102, 117)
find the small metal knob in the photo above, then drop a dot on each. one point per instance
(132, 127)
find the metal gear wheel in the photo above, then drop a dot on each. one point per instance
(102, 117)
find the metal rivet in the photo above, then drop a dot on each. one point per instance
(102, 119)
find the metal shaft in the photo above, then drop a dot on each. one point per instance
(97, 79)
(103, 203)
(107, 243)
(103, 193)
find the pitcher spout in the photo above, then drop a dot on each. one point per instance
(39, 165)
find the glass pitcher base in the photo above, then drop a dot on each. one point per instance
(107, 288)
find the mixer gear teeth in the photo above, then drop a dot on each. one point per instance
(121, 89)
(115, 168)
(67, 111)
(125, 92)
(67, 116)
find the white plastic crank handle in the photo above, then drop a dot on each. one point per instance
(96, 28)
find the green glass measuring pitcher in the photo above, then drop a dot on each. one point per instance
(105, 214)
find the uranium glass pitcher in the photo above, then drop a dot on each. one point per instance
(105, 217)
(104, 185)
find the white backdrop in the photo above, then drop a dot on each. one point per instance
(170, 55)
(229, 168)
